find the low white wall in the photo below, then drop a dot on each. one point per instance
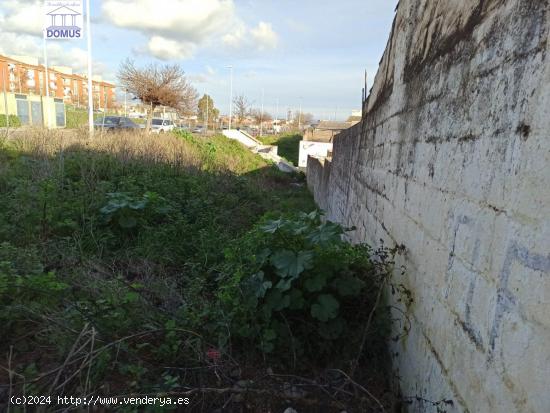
(242, 137)
(310, 148)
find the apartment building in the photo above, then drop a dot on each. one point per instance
(24, 75)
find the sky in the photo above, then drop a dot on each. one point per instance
(311, 53)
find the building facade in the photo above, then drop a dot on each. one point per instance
(23, 75)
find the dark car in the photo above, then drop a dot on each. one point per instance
(111, 123)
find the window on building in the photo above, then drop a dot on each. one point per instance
(22, 109)
(36, 113)
(59, 113)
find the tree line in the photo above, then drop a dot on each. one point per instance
(167, 85)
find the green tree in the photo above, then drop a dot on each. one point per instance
(205, 107)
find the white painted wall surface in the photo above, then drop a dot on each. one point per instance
(310, 148)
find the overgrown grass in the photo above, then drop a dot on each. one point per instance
(129, 264)
(288, 145)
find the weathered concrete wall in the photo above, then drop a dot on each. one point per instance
(452, 160)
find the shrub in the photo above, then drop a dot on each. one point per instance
(127, 212)
(76, 118)
(184, 134)
(288, 145)
(14, 121)
(297, 288)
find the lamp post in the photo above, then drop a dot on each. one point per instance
(262, 114)
(230, 67)
(300, 115)
(90, 84)
(207, 98)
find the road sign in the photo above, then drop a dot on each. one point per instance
(63, 19)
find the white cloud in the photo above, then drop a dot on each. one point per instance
(264, 36)
(260, 38)
(22, 16)
(188, 20)
(205, 77)
(167, 49)
(235, 38)
(178, 27)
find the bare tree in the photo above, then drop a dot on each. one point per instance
(158, 86)
(260, 117)
(302, 118)
(242, 108)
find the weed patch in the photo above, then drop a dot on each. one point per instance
(134, 264)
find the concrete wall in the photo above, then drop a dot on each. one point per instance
(242, 137)
(452, 160)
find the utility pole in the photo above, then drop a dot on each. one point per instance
(277, 117)
(230, 95)
(90, 86)
(262, 114)
(6, 102)
(300, 116)
(207, 98)
(46, 66)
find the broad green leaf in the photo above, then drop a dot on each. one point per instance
(290, 264)
(276, 301)
(348, 285)
(138, 204)
(131, 296)
(272, 226)
(258, 285)
(316, 283)
(262, 256)
(326, 308)
(284, 284)
(325, 234)
(108, 209)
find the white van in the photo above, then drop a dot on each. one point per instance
(159, 125)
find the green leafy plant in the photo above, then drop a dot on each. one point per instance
(14, 121)
(128, 212)
(184, 134)
(307, 286)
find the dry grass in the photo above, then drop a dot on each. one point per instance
(124, 146)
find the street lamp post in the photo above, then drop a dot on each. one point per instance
(300, 116)
(207, 98)
(230, 95)
(262, 114)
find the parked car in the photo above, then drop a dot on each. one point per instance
(111, 123)
(162, 125)
(198, 129)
